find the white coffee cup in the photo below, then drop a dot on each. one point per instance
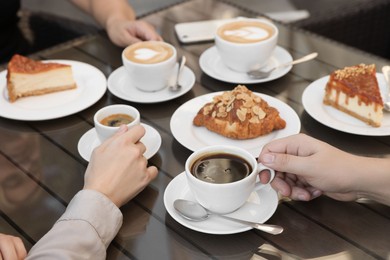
(246, 44)
(223, 198)
(149, 64)
(105, 131)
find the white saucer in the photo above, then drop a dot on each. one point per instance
(120, 85)
(211, 64)
(260, 206)
(312, 100)
(151, 139)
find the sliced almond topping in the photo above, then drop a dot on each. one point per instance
(261, 114)
(241, 114)
(254, 120)
(249, 103)
(222, 114)
(207, 109)
(256, 110)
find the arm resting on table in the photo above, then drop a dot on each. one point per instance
(84, 231)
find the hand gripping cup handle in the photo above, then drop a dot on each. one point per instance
(261, 168)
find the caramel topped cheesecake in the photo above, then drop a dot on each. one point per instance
(239, 114)
(355, 91)
(27, 77)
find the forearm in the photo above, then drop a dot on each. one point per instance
(84, 231)
(103, 10)
(373, 180)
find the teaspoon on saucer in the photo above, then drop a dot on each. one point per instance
(259, 74)
(195, 212)
(177, 85)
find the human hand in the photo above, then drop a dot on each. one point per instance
(118, 168)
(125, 32)
(306, 168)
(11, 248)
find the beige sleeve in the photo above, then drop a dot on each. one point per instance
(84, 231)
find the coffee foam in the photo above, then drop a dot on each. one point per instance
(246, 31)
(148, 52)
(249, 33)
(145, 54)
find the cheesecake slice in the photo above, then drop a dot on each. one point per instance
(355, 91)
(27, 77)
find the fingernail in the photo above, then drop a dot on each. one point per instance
(302, 197)
(122, 129)
(316, 193)
(268, 158)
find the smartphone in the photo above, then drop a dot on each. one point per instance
(200, 31)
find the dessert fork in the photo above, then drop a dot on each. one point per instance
(386, 73)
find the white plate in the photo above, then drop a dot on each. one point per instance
(260, 206)
(194, 137)
(312, 100)
(89, 141)
(91, 86)
(120, 85)
(211, 64)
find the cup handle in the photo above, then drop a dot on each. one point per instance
(261, 167)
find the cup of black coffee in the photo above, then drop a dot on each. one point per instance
(108, 119)
(222, 177)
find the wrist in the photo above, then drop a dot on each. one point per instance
(103, 193)
(374, 179)
(115, 20)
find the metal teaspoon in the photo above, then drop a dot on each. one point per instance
(195, 212)
(177, 85)
(259, 74)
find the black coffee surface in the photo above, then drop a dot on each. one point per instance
(221, 168)
(117, 120)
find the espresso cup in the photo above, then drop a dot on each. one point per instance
(246, 44)
(149, 64)
(106, 119)
(222, 177)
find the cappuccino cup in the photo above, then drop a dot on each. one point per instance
(222, 177)
(149, 64)
(107, 120)
(246, 44)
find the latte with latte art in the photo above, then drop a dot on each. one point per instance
(148, 52)
(149, 65)
(245, 31)
(246, 44)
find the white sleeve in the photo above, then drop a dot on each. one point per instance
(84, 231)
